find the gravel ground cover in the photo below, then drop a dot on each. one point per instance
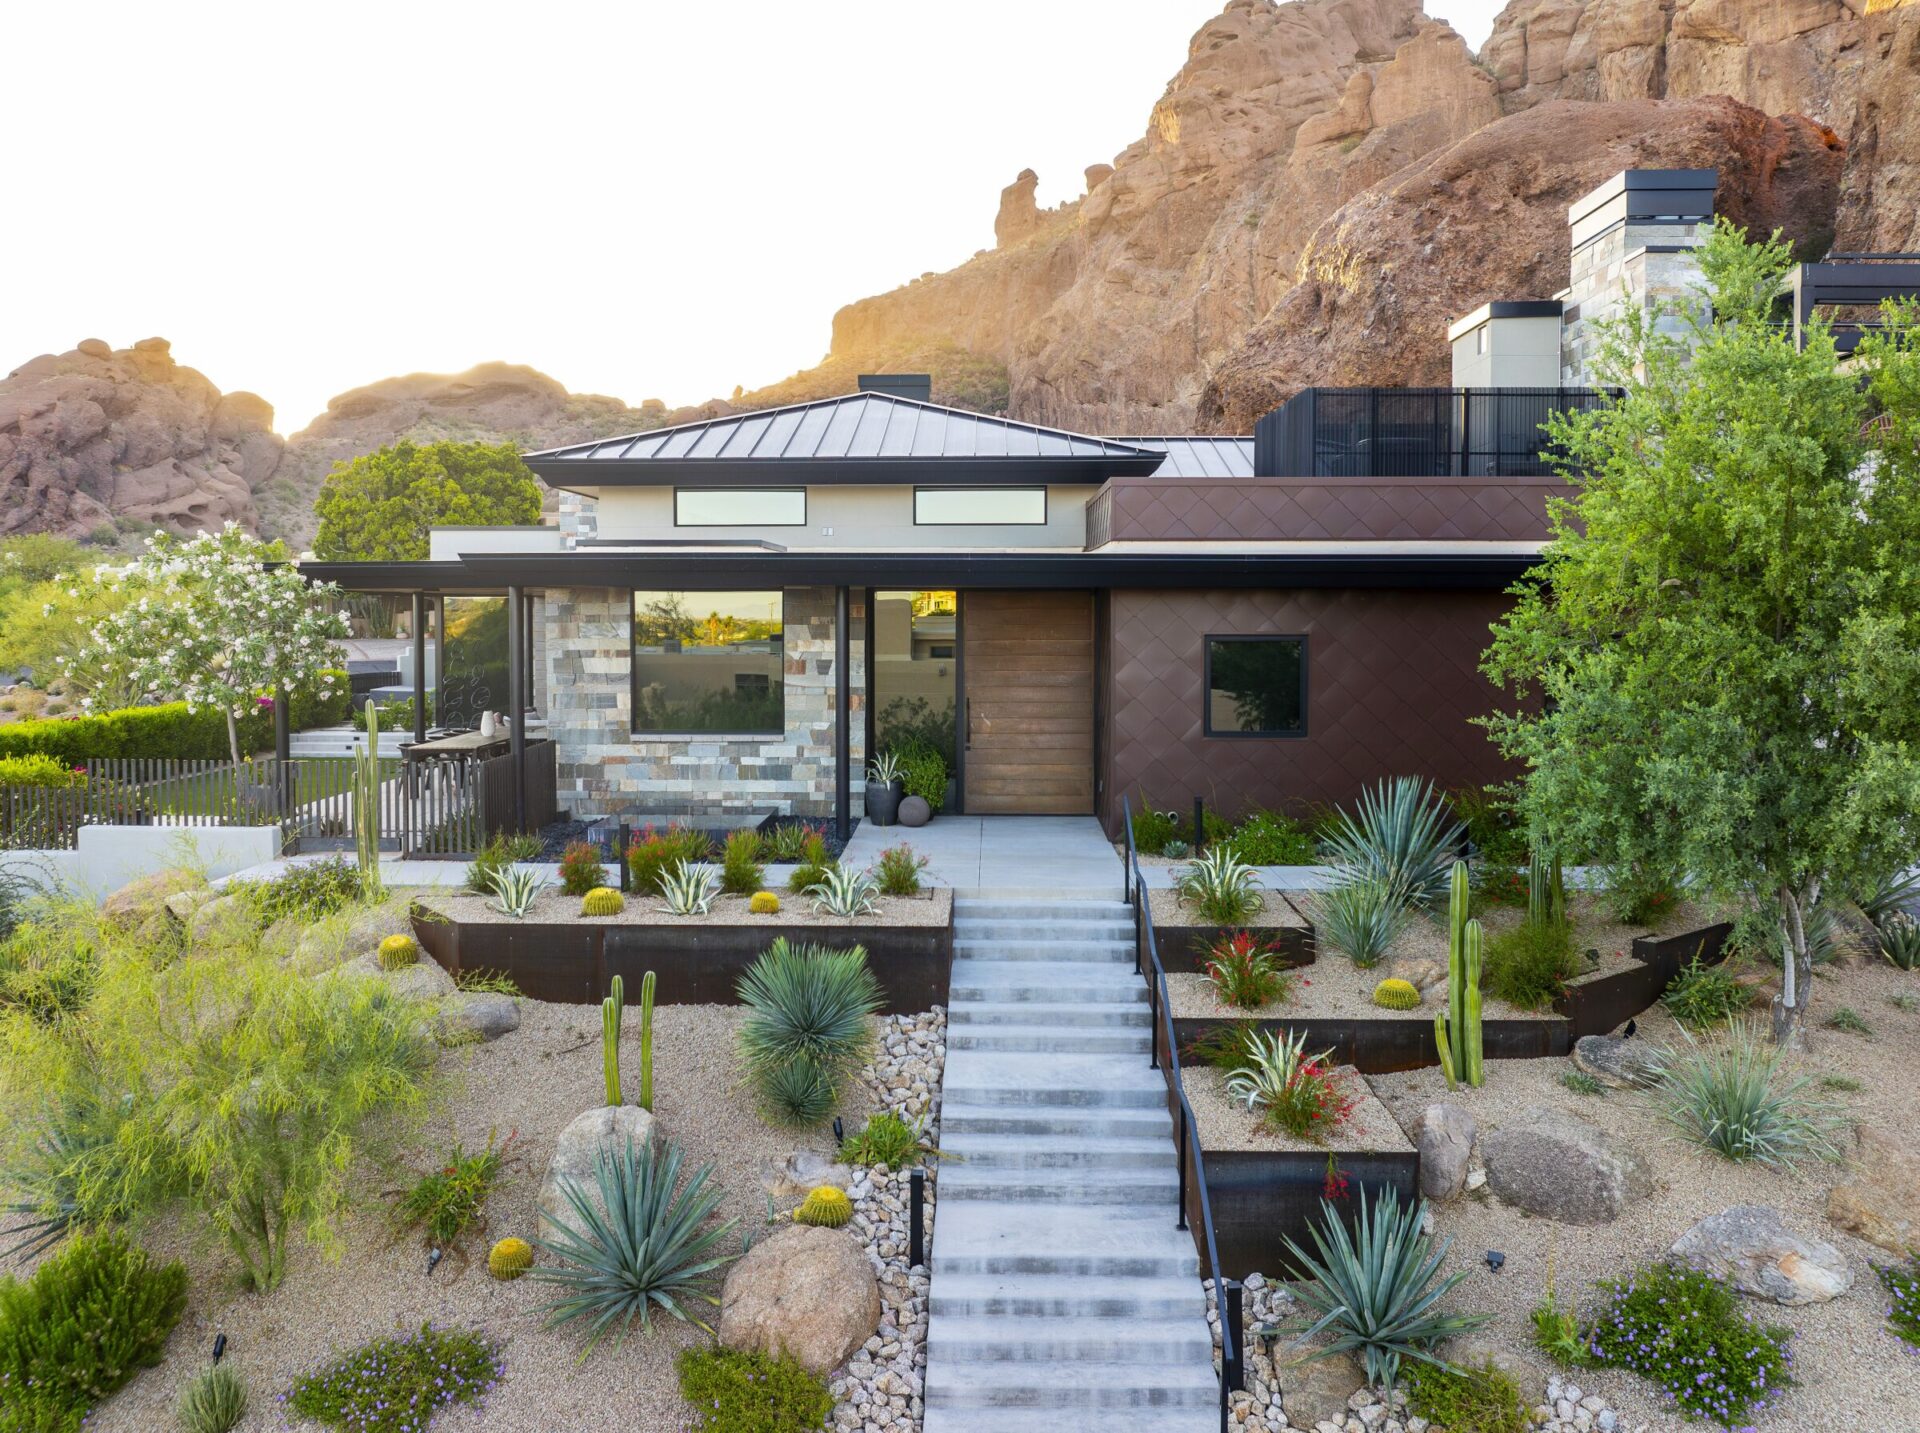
(1280, 911)
(931, 907)
(1225, 1123)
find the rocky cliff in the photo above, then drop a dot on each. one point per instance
(1325, 184)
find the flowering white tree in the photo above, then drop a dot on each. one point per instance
(209, 622)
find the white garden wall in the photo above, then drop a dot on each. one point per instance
(110, 856)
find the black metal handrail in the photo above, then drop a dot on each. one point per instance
(1186, 1139)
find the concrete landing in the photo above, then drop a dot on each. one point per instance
(1053, 857)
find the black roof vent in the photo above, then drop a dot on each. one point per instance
(917, 386)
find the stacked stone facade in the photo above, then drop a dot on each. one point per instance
(605, 770)
(1631, 266)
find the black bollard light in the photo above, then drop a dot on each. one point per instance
(434, 1256)
(1199, 825)
(625, 834)
(917, 1218)
(839, 1133)
(1232, 1333)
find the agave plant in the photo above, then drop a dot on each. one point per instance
(1359, 916)
(884, 769)
(689, 889)
(1402, 835)
(1893, 894)
(1741, 1101)
(1373, 1288)
(841, 891)
(1223, 888)
(1900, 939)
(515, 888)
(641, 1245)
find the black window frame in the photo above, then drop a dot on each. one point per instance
(640, 734)
(1044, 489)
(1206, 686)
(738, 492)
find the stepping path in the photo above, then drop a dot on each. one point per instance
(1064, 1296)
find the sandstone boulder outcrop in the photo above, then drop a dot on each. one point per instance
(1751, 1247)
(576, 1160)
(805, 1291)
(1566, 1169)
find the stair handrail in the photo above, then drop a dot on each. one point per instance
(1146, 962)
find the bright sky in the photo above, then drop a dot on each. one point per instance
(657, 198)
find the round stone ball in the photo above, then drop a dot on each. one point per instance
(914, 811)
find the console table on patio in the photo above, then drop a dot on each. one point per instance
(466, 744)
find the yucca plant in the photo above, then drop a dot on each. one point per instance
(809, 1007)
(1895, 893)
(798, 1093)
(1358, 917)
(1223, 888)
(842, 891)
(688, 889)
(1900, 940)
(515, 889)
(1403, 835)
(1741, 1101)
(1374, 1288)
(642, 1246)
(213, 1401)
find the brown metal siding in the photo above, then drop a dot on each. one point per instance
(1393, 683)
(1318, 510)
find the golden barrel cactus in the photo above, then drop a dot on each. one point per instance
(602, 901)
(825, 1206)
(764, 903)
(509, 1259)
(398, 951)
(1395, 994)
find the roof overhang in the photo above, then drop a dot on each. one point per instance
(572, 474)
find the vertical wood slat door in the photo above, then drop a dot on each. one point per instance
(1027, 662)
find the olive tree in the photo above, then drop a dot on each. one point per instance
(1721, 646)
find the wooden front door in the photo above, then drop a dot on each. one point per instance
(1027, 670)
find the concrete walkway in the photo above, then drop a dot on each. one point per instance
(1012, 857)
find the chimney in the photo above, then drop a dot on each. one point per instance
(1632, 243)
(917, 386)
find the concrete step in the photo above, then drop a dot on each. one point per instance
(1079, 1014)
(1043, 928)
(1049, 1038)
(1092, 1152)
(965, 908)
(1082, 1340)
(1023, 1079)
(1059, 1186)
(1045, 983)
(1052, 1122)
(1039, 1296)
(1112, 1420)
(1089, 951)
(980, 1236)
(1083, 1388)
(1030, 895)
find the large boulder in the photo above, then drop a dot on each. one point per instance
(804, 1291)
(1317, 1390)
(142, 901)
(221, 916)
(802, 1172)
(576, 1155)
(1562, 1168)
(469, 1017)
(425, 979)
(1750, 1246)
(1880, 1199)
(1446, 1146)
(1623, 1064)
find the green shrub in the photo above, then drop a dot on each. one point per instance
(1479, 1398)
(310, 890)
(1266, 838)
(1847, 1019)
(450, 1200)
(734, 1392)
(1902, 1283)
(1153, 829)
(1686, 1331)
(788, 841)
(923, 773)
(1581, 1083)
(1492, 824)
(166, 731)
(1226, 1047)
(657, 853)
(500, 852)
(397, 1385)
(1702, 996)
(1359, 918)
(814, 865)
(91, 1317)
(898, 870)
(640, 1246)
(1221, 888)
(808, 1023)
(741, 873)
(214, 1400)
(47, 968)
(581, 869)
(1529, 965)
(1739, 1101)
(886, 1139)
(39, 771)
(1639, 895)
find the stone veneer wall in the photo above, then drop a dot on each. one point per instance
(603, 769)
(1632, 266)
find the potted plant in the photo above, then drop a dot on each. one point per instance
(885, 786)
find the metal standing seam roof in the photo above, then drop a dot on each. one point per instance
(852, 427)
(1198, 456)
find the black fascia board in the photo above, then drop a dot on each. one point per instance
(573, 473)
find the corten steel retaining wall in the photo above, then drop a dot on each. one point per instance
(573, 963)
(1393, 686)
(1262, 1197)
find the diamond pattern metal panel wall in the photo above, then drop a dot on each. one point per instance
(1339, 510)
(1393, 684)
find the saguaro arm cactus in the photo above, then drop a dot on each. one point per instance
(610, 1009)
(646, 1041)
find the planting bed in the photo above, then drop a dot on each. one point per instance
(557, 954)
(1183, 938)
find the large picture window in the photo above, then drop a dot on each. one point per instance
(979, 507)
(739, 507)
(709, 662)
(1256, 686)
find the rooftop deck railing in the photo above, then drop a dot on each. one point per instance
(1414, 432)
(1191, 1163)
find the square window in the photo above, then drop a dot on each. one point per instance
(1256, 686)
(709, 662)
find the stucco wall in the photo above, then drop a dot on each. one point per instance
(603, 769)
(859, 516)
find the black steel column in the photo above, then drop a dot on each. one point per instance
(516, 677)
(439, 658)
(419, 666)
(843, 717)
(283, 721)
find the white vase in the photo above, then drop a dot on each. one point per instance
(487, 728)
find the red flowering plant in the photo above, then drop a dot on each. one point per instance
(581, 868)
(655, 853)
(1245, 973)
(1300, 1093)
(1337, 1183)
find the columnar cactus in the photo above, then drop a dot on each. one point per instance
(646, 1042)
(1457, 1033)
(610, 1009)
(366, 805)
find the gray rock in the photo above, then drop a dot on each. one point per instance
(223, 915)
(803, 1291)
(475, 1015)
(576, 1155)
(1552, 1164)
(1446, 1145)
(1623, 1064)
(141, 901)
(425, 979)
(1751, 1246)
(802, 1172)
(914, 811)
(1317, 1391)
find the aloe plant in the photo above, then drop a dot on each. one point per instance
(688, 889)
(1458, 1032)
(1374, 1288)
(844, 892)
(515, 889)
(641, 1246)
(884, 769)
(610, 1012)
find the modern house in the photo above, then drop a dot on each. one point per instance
(735, 613)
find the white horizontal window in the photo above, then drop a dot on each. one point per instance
(739, 507)
(979, 507)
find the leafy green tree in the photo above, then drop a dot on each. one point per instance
(379, 507)
(1723, 640)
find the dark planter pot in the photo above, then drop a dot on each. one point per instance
(883, 802)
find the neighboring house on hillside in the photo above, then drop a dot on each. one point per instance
(755, 603)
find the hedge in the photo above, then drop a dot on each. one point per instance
(160, 732)
(37, 770)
